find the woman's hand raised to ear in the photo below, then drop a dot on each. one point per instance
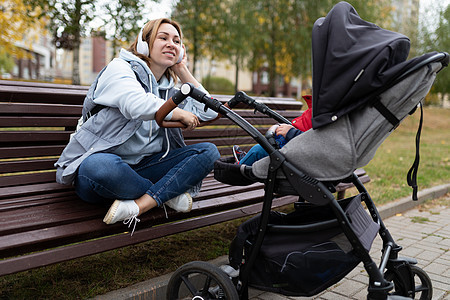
(187, 118)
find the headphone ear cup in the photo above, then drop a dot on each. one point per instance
(142, 47)
(181, 55)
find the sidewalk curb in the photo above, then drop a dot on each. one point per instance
(155, 288)
(406, 203)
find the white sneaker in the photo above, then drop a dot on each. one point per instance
(181, 203)
(121, 210)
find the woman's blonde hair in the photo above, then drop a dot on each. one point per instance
(149, 33)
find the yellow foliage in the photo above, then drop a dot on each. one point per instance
(16, 20)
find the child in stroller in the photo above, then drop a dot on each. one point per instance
(304, 252)
(278, 134)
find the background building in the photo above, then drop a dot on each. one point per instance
(39, 61)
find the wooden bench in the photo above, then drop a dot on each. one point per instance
(42, 222)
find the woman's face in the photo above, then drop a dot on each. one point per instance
(166, 46)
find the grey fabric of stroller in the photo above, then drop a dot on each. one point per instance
(334, 151)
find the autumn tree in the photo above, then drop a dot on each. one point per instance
(275, 35)
(69, 21)
(238, 27)
(6, 62)
(120, 20)
(16, 20)
(197, 21)
(435, 37)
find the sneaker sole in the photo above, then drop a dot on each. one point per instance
(111, 212)
(190, 203)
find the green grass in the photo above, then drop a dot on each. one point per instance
(389, 168)
(95, 275)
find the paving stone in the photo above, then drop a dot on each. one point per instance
(436, 268)
(440, 294)
(334, 296)
(349, 287)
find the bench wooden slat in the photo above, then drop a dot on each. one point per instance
(57, 121)
(35, 200)
(34, 136)
(12, 83)
(27, 181)
(217, 133)
(31, 189)
(221, 190)
(39, 109)
(27, 165)
(266, 122)
(42, 95)
(23, 152)
(239, 140)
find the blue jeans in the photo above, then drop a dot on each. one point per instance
(257, 152)
(104, 177)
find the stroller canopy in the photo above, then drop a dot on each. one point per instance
(351, 59)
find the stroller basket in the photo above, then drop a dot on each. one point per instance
(304, 252)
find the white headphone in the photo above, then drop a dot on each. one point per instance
(142, 47)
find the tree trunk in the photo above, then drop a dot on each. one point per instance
(272, 62)
(236, 74)
(76, 47)
(76, 65)
(300, 86)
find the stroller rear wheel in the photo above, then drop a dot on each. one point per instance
(423, 289)
(199, 280)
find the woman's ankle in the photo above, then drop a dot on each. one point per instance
(145, 203)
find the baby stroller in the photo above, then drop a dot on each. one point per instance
(362, 90)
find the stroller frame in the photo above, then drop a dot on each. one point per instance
(393, 272)
(313, 189)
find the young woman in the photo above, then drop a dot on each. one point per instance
(120, 156)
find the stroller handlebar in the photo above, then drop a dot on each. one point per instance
(187, 89)
(242, 97)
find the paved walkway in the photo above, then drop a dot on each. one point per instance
(424, 234)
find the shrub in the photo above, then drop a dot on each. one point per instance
(218, 85)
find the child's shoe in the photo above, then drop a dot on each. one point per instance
(238, 153)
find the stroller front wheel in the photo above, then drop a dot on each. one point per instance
(423, 289)
(200, 280)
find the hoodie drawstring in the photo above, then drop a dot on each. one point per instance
(167, 134)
